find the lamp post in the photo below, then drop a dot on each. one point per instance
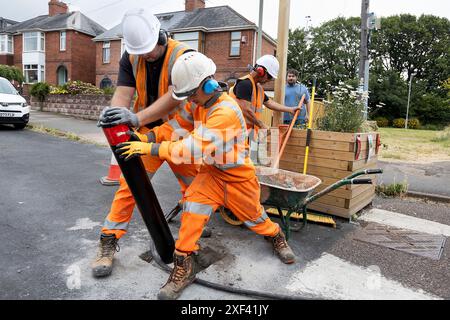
(409, 98)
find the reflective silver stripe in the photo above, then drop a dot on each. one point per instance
(135, 65)
(186, 180)
(198, 208)
(150, 175)
(186, 115)
(115, 225)
(173, 57)
(260, 220)
(174, 124)
(224, 167)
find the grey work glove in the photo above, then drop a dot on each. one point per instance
(112, 116)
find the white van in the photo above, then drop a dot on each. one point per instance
(13, 107)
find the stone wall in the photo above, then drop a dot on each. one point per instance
(80, 106)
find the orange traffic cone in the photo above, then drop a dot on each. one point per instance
(113, 175)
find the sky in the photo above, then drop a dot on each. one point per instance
(108, 13)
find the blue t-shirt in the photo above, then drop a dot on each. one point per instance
(292, 98)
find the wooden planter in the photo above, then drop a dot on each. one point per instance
(332, 157)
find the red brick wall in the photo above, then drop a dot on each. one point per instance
(55, 7)
(111, 69)
(18, 45)
(54, 58)
(7, 59)
(83, 58)
(191, 5)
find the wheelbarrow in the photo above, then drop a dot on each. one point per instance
(293, 191)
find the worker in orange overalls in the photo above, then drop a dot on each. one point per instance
(227, 176)
(145, 69)
(249, 93)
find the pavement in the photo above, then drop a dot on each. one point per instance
(52, 216)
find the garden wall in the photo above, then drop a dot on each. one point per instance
(80, 106)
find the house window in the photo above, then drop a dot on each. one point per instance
(62, 41)
(6, 44)
(62, 75)
(31, 73)
(106, 51)
(192, 39)
(33, 41)
(235, 48)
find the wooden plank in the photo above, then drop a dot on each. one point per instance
(344, 193)
(358, 165)
(329, 163)
(350, 203)
(325, 135)
(331, 200)
(320, 144)
(341, 212)
(325, 153)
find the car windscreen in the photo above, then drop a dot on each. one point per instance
(7, 87)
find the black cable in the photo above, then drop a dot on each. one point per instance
(245, 292)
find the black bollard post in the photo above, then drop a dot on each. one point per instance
(140, 186)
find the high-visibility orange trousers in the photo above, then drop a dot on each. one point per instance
(123, 204)
(206, 194)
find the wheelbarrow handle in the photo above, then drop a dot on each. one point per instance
(374, 171)
(361, 181)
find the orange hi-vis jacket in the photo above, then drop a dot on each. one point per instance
(257, 97)
(217, 141)
(174, 50)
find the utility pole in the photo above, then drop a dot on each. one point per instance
(363, 75)
(260, 31)
(282, 49)
(308, 19)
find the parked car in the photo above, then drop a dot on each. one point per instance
(13, 107)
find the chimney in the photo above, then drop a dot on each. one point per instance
(55, 7)
(191, 5)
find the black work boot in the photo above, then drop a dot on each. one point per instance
(102, 266)
(281, 247)
(183, 274)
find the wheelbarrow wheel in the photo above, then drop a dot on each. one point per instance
(229, 217)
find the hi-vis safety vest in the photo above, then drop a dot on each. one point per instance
(174, 50)
(257, 98)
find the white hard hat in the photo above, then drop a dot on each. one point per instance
(270, 63)
(188, 72)
(140, 29)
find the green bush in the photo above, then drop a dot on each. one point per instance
(433, 127)
(58, 90)
(382, 122)
(398, 123)
(11, 73)
(80, 87)
(40, 90)
(392, 190)
(109, 90)
(413, 123)
(344, 113)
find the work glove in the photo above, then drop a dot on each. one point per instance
(137, 136)
(131, 149)
(112, 116)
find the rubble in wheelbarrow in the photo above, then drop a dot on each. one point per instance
(287, 180)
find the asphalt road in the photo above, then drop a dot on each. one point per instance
(52, 206)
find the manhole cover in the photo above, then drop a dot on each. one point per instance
(421, 244)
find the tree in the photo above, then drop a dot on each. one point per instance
(11, 73)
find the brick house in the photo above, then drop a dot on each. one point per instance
(6, 42)
(219, 32)
(56, 47)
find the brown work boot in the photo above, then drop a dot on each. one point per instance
(183, 274)
(281, 247)
(102, 266)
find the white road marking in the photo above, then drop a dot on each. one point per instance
(333, 278)
(402, 221)
(84, 224)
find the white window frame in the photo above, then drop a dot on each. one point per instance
(62, 40)
(39, 38)
(40, 72)
(122, 47)
(6, 41)
(106, 58)
(235, 36)
(190, 38)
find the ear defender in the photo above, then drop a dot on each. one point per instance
(162, 39)
(260, 71)
(210, 86)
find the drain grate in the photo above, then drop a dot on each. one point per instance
(421, 244)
